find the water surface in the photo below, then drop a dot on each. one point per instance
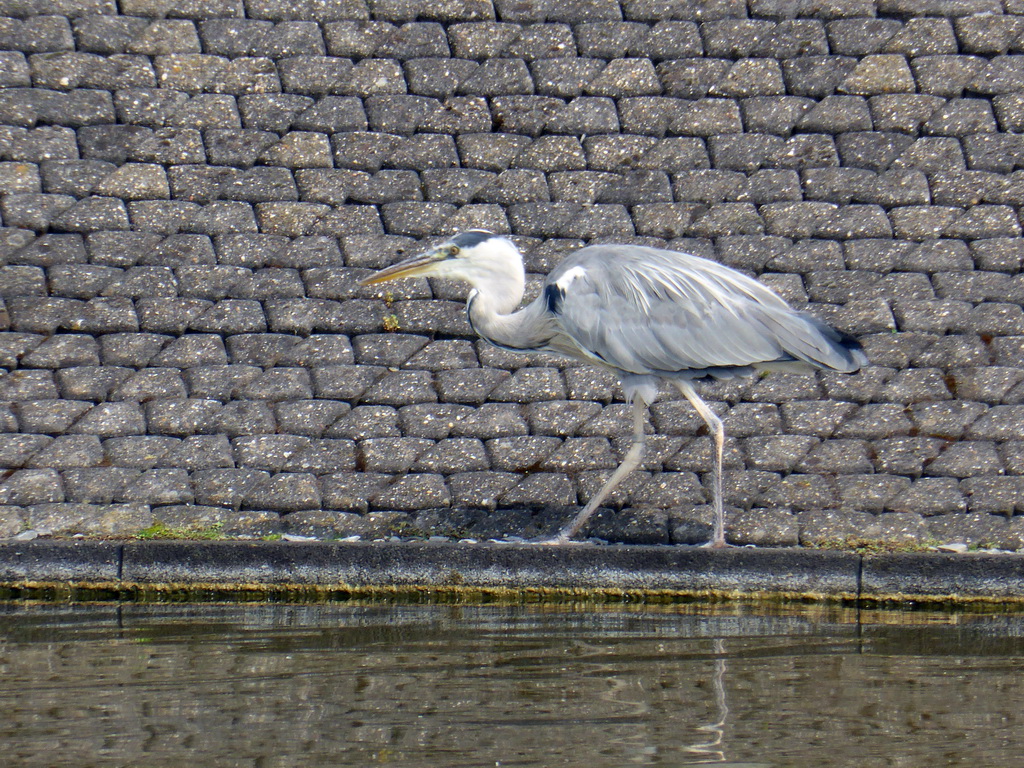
(368, 684)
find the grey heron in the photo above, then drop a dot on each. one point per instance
(645, 313)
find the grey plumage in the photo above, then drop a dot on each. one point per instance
(646, 313)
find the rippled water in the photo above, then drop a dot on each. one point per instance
(348, 684)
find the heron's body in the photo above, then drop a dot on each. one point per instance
(646, 313)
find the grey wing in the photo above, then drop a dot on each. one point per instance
(645, 310)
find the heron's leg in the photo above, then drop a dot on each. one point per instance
(629, 462)
(718, 431)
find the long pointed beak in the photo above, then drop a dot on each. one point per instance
(411, 267)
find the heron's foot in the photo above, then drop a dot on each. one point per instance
(557, 540)
(715, 544)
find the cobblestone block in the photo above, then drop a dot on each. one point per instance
(279, 384)
(490, 421)
(966, 459)
(816, 418)
(778, 453)
(181, 417)
(841, 456)
(412, 492)
(859, 37)
(930, 496)
(531, 385)
(993, 494)
(479, 490)
(351, 491)
(63, 351)
(158, 487)
(96, 485)
(31, 486)
(365, 421)
(873, 422)
(906, 455)
(111, 420)
(137, 452)
(324, 456)
(89, 382)
(802, 492)
(149, 384)
(49, 416)
(285, 492)
(870, 493)
(817, 76)
(344, 382)
(401, 388)
(540, 490)
(95, 519)
(226, 487)
(453, 455)
(267, 452)
(308, 417)
(17, 449)
(521, 453)
(245, 417)
(434, 421)
(198, 452)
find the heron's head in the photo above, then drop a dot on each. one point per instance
(475, 256)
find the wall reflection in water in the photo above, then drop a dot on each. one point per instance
(363, 684)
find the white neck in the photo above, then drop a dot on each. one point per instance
(498, 285)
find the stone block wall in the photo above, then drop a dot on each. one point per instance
(189, 192)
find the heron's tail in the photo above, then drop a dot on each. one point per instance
(823, 346)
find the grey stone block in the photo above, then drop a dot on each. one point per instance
(491, 420)
(284, 492)
(218, 382)
(111, 420)
(31, 486)
(308, 417)
(197, 452)
(930, 496)
(96, 485)
(434, 421)
(967, 459)
(322, 457)
(802, 492)
(267, 452)
(246, 417)
(351, 491)
(993, 494)
(453, 455)
(181, 417)
(67, 452)
(49, 416)
(975, 529)
(413, 492)
(225, 487)
(479, 489)
(158, 487)
(391, 454)
(541, 490)
(96, 519)
(17, 449)
(138, 452)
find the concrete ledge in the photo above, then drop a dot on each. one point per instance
(495, 567)
(928, 576)
(507, 569)
(56, 561)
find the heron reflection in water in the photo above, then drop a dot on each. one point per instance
(647, 314)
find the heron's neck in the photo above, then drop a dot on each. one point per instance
(492, 313)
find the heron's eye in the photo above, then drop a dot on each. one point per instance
(453, 250)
